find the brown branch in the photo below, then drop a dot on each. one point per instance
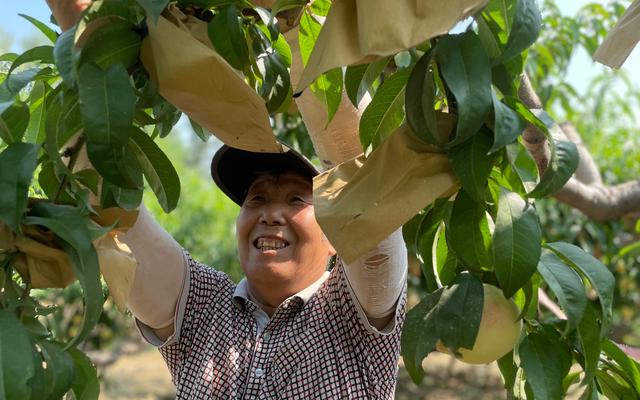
(534, 139)
(600, 202)
(587, 171)
(585, 190)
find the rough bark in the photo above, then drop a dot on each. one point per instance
(585, 190)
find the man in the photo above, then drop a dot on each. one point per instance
(290, 329)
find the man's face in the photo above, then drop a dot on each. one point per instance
(279, 239)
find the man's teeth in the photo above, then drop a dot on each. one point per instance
(270, 244)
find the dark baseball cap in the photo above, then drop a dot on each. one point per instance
(234, 170)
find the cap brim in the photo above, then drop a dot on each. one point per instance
(234, 170)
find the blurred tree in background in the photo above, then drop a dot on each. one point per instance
(605, 113)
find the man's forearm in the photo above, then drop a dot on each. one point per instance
(160, 274)
(378, 278)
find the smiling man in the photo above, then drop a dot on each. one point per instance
(291, 329)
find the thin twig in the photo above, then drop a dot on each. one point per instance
(71, 152)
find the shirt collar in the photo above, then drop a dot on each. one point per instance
(241, 294)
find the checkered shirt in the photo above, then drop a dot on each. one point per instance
(322, 348)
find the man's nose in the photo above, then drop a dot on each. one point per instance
(272, 214)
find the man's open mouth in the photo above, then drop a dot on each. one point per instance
(264, 244)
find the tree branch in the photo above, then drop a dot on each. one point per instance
(585, 190)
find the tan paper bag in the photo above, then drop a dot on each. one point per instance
(194, 78)
(44, 265)
(360, 31)
(622, 39)
(362, 201)
(339, 140)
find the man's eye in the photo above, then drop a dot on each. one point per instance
(299, 199)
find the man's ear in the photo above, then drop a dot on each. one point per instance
(331, 249)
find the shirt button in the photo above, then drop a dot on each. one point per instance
(266, 336)
(259, 372)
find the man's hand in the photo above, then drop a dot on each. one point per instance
(67, 12)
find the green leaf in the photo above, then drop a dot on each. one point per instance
(566, 284)
(37, 108)
(14, 119)
(524, 31)
(34, 327)
(497, 19)
(107, 104)
(88, 178)
(426, 238)
(153, 8)
(50, 182)
(420, 98)
(48, 32)
(281, 47)
(16, 82)
(116, 164)
(627, 364)
(86, 385)
(466, 70)
(59, 371)
(227, 36)
(419, 334)
(516, 242)
(276, 87)
(486, 35)
(385, 112)
(113, 42)
(16, 362)
(545, 362)
(410, 232)
(321, 7)
(353, 76)
(597, 273)
(115, 196)
(508, 125)
(62, 120)
(444, 260)
(283, 5)
(359, 79)
(469, 234)
(563, 163)
(37, 383)
(508, 370)
(472, 164)
(17, 165)
(63, 54)
(307, 36)
(328, 89)
(460, 312)
(614, 388)
(72, 228)
(107, 101)
(523, 166)
(590, 342)
(69, 121)
(564, 153)
(157, 169)
(199, 130)
(42, 54)
(506, 77)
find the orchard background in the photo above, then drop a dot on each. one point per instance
(602, 105)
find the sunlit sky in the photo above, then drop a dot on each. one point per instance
(20, 31)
